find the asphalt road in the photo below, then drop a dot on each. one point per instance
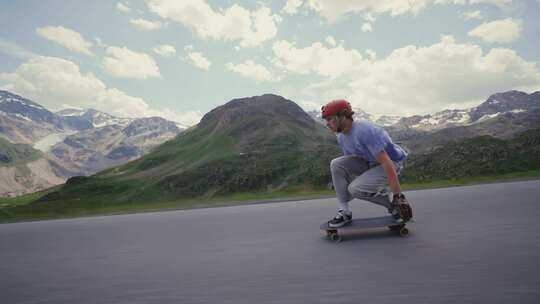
(478, 244)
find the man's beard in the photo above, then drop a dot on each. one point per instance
(339, 123)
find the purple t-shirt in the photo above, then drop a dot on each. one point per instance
(366, 140)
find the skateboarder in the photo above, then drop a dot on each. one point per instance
(370, 160)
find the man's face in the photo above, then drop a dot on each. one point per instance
(331, 123)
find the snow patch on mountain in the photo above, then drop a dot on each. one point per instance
(52, 139)
(488, 116)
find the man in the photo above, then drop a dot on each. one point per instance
(370, 160)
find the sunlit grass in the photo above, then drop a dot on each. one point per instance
(13, 209)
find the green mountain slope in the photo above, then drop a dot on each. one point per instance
(258, 144)
(14, 154)
(483, 155)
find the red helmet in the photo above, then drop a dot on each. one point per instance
(340, 106)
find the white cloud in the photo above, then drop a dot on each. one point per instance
(197, 59)
(331, 41)
(165, 50)
(371, 54)
(500, 31)
(100, 43)
(189, 118)
(332, 62)
(468, 15)
(14, 50)
(249, 69)
(124, 63)
(291, 7)
(124, 8)
(499, 3)
(369, 17)
(235, 23)
(67, 38)
(332, 10)
(146, 25)
(366, 27)
(310, 105)
(421, 80)
(415, 80)
(55, 83)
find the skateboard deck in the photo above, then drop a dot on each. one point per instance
(366, 223)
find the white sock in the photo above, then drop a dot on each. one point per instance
(345, 207)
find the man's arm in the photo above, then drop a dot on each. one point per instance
(389, 170)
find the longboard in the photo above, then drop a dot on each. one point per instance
(366, 223)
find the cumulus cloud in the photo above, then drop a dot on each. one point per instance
(468, 15)
(196, 58)
(55, 82)
(250, 69)
(67, 38)
(291, 7)
(371, 54)
(124, 8)
(331, 41)
(100, 43)
(332, 62)
(235, 23)
(146, 25)
(124, 63)
(500, 31)
(310, 105)
(165, 50)
(332, 10)
(498, 3)
(366, 27)
(413, 80)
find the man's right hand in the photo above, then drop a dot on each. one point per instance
(400, 202)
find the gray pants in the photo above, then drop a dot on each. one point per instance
(354, 177)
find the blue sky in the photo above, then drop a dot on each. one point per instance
(180, 59)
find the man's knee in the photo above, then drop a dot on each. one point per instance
(335, 164)
(357, 192)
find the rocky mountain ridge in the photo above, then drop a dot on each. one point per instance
(74, 141)
(496, 105)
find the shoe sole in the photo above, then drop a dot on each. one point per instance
(340, 225)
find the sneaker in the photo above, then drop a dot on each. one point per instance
(341, 219)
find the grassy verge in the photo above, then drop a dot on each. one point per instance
(529, 175)
(13, 209)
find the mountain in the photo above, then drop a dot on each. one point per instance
(503, 126)
(90, 118)
(24, 121)
(26, 109)
(24, 169)
(74, 141)
(90, 151)
(497, 104)
(502, 115)
(478, 156)
(511, 101)
(259, 144)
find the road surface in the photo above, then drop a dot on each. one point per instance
(476, 244)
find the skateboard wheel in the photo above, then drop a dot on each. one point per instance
(335, 237)
(403, 231)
